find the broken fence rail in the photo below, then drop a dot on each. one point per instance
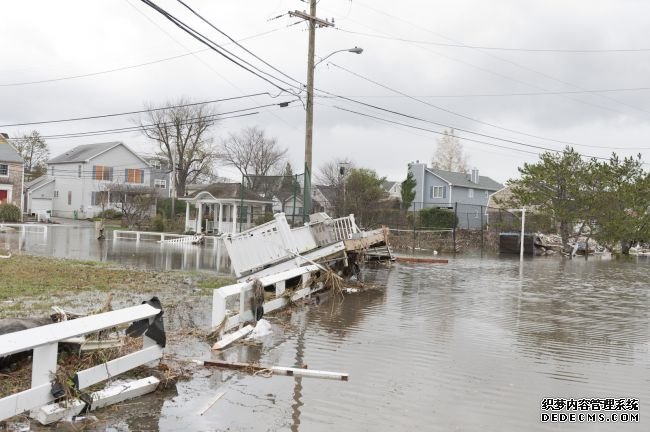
(276, 370)
(44, 342)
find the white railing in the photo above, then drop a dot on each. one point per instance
(220, 297)
(344, 228)
(304, 239)
(45, 340)
(260, 246)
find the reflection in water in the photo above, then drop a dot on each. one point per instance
(472, 345)
(80, 243)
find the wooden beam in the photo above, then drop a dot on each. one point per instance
(232, 337)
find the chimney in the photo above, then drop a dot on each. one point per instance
(475, 175)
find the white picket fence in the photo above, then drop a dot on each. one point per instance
(26, 228)
(221, 296)
(45, 340)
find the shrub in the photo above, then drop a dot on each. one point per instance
(267, 217)
(110, 214)
(9, 213)
(438, 218)
(158, 223)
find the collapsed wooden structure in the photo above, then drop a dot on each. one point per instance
(287, 265)
(46, 398)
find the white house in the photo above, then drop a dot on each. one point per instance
(78, 182)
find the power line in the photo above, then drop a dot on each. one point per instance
(480, 95)
(459, 114)
(606, 108)
(237, 43)
(123, 68)
(493, 48)
(137, 111)
(220, 50)
(463, 138)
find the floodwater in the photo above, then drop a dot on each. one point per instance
(474, 345)
(80, 242)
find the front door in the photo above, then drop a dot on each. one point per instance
(3, 196)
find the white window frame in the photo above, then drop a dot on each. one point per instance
(437, 192)
(56, 194)
(470, 193)
(78, 171)
(160, 183)
(487, 194)
(7, 170)
(155, 163)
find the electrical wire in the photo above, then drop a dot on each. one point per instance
(493, 48)
(222, 51)
(466, 117)
(138, 111)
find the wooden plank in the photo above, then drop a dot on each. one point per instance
(216, 399)
(104, 371)
(232, 337)
(20, 402)
(421, 260)
(116, 393)
(27, 339)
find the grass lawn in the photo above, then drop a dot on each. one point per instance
(40, 280)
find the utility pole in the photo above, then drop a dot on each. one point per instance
(309, 123)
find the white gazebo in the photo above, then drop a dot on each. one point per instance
(223, 208)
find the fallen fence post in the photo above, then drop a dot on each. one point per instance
(277, 370)
(216, 399)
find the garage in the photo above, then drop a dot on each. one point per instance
(39, 205)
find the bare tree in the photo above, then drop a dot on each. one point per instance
(449, 154)
(182, 134)
(135, 202)
(33, 149)
(332, 174)
(253, 154)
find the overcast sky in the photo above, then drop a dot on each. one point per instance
(553, 80)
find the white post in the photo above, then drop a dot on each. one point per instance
(187, 215)
(523, 223)
(214, 218)
(234, 218)
(199, 218)
(220, 218)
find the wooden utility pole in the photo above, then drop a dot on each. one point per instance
(309, 123)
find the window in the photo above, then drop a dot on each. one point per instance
(4, 170)
(487, 194)
(134, 175)
(56, 194)
(52, 170)
(155, 163)
(69, 197)
(160, 183)
(477, 214)
(437, 192)
(470, 193)
(79, 171)
(101, 172)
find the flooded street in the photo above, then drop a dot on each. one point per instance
(469, 346)
(473, 345)
(80, 242)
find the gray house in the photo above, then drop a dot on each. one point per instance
(11, 173)
(79, 182)
(467, 194)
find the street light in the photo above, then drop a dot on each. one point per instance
(309, 124)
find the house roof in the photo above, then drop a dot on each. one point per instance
(388, 184)
(329, 192)
(463, 180)
(38, 182)
(9, 154)
(231, 191)
(86, 152)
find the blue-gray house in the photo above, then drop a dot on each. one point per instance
(467, 194)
